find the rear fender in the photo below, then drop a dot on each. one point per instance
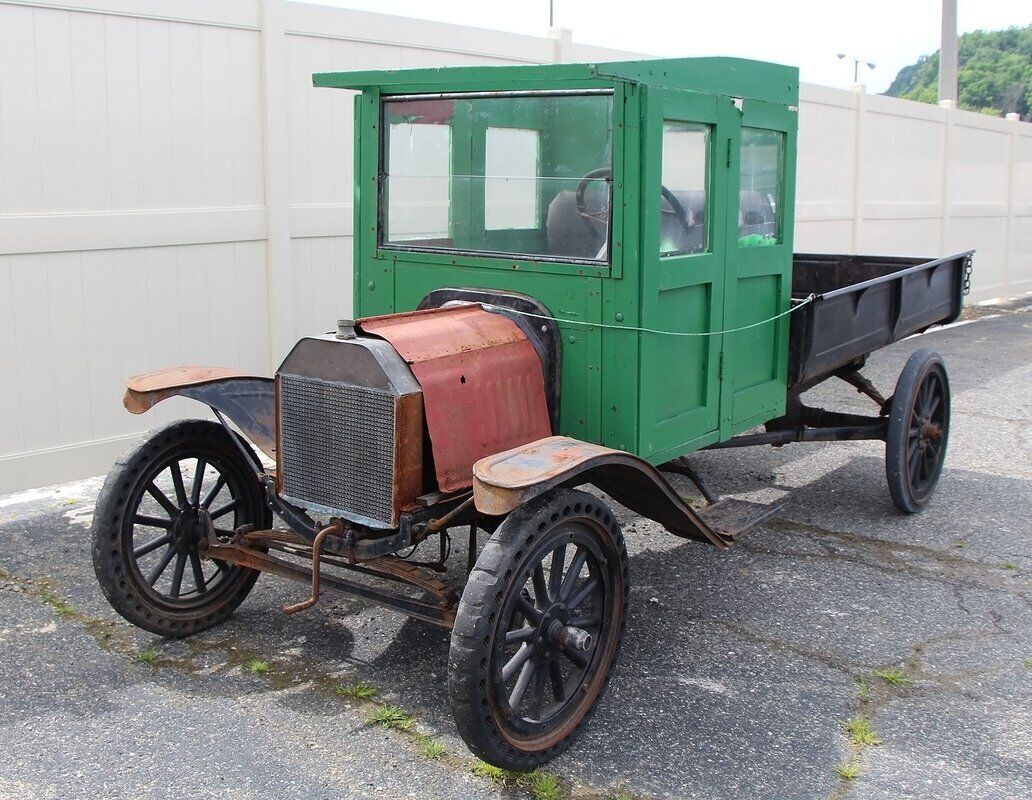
(248, 400)
(504, 481)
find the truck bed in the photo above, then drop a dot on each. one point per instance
(866, 302)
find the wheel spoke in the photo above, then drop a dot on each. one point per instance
(934, 404)
(177, 481)
(220, 483)
(922, 395)
(198, 573)
(520, 689)
(539, 691)
(522, 635)
(540, 589)
(198, 480)
(223, 510)
(592, 621)
(558, 684)
(555, 574)
(161, 566)
(517, 661)
(150, 547)
(163, 501)
(177, 576)
(528, 609)
(571, 577)
(915, 466)
(152, 522)
(583, 593)
(927, 460)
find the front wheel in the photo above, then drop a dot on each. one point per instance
(919, 427)
(151, 520)
(538, 629)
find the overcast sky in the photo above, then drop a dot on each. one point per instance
(806, 33)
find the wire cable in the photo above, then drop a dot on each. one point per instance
(505, 310)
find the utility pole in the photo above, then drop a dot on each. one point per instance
(551, 13)
(948, 52)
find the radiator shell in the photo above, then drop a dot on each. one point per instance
(349, 429)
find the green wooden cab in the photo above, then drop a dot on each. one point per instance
(626, 197)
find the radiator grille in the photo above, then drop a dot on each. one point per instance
(337, 446)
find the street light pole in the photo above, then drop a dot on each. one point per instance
(856, 65)
(948, 52)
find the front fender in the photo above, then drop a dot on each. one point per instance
(506, 480)
(248, 400)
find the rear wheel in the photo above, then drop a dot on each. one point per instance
(150, 524)
(538, 629)
(919, 426)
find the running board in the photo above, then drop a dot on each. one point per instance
(729, 517)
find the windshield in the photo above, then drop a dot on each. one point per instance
(508, 173)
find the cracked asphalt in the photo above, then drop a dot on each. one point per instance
(738, 670)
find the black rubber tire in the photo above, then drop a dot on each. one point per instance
(911, 493)
(113, 561)
(523, 537)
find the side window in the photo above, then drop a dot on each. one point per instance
(684, 206)
(419, 185)
(762, 175)
(511, 169)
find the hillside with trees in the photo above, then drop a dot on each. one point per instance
(995, 75)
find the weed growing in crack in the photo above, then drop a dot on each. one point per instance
(430, 747)
(848, 770)
(498, 776)
(59, 604)
(860, 731)
(541, 785)
(896, 676)
(544, 786)
(148, 656)
(258, 666)
(865, 689)
(358, 691)
(392, 717)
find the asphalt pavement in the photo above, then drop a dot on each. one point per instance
(738, 675)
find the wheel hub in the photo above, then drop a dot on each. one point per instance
(553, 619)
(186, 530)
(554, 632)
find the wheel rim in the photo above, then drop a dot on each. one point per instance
(927, 431)
(164, 539)
(555, 625)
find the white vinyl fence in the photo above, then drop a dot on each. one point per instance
(173, 190)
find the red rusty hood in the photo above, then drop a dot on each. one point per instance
(483, 385)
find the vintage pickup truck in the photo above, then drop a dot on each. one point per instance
(564, 275)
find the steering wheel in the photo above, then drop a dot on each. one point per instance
(596, 219)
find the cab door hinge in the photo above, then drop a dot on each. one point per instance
(729, 154)
(720, 366)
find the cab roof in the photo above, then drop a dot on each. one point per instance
(733, 77)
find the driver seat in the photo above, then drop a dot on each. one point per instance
(568, 233)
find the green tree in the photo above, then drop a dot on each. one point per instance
(994, 75)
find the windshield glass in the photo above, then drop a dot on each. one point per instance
(508, 173)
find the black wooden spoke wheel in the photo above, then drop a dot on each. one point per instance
(538, 629)
(919, 426)
(150, 524)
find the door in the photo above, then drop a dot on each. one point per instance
(758, 281)
(683, 250)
